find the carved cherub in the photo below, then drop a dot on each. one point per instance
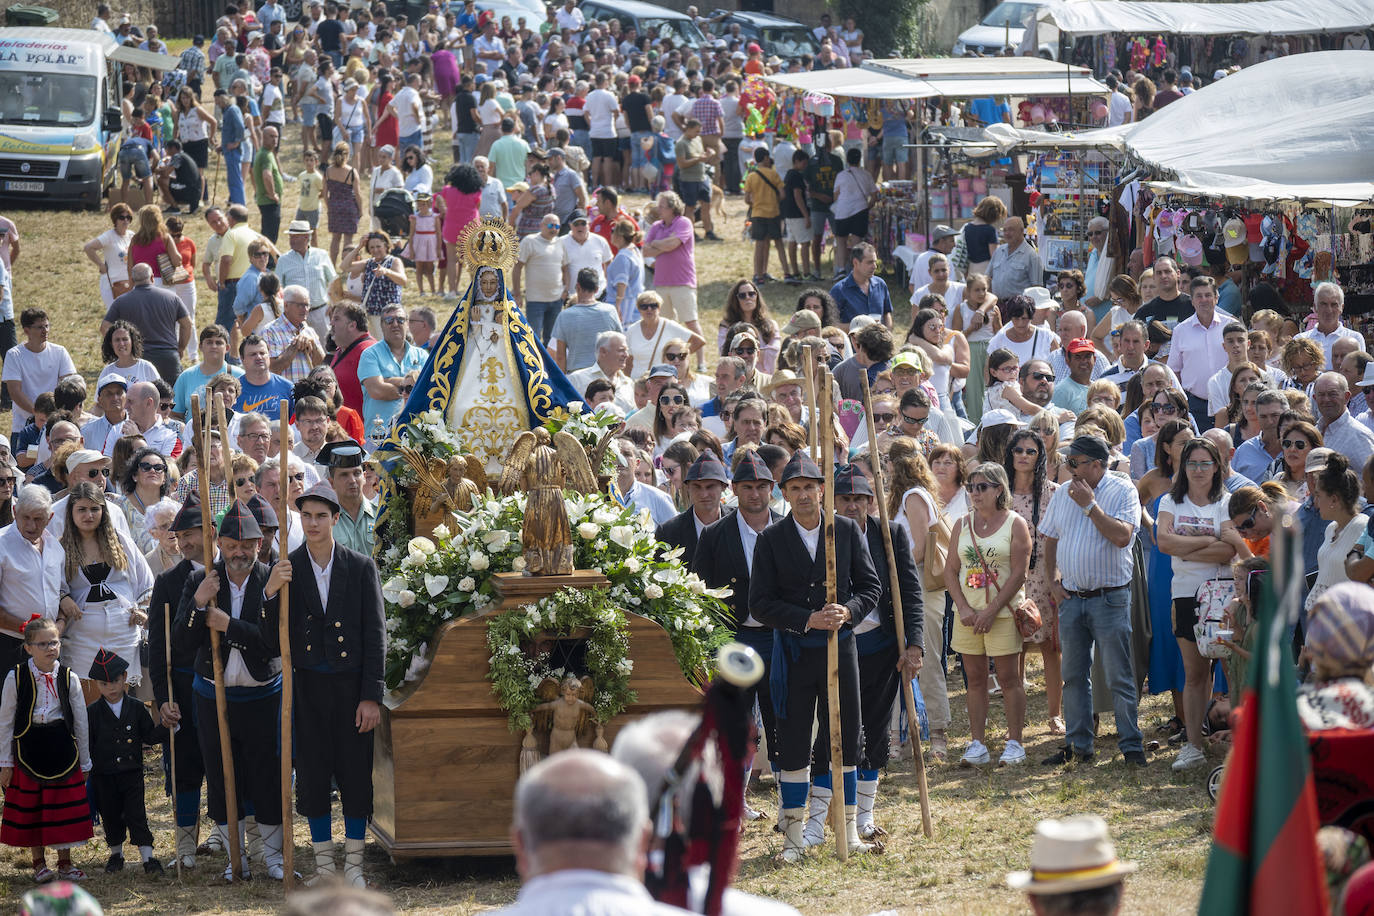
(567, 713)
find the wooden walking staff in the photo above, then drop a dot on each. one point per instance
(201, 428)
(904, 683)
(823, 422)
(284, 638)
(809, 361)
(171, 698)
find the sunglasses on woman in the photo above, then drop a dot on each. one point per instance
(674, 399)
(1022, 450)
(152, 468)
(980, 487)
(1296, 443)
(1167, 408)
(1249, 521)
(674, 357)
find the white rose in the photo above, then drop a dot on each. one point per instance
(478, 560)
(588, 530)
(441, 532)
(518, 564)
(602, 517)
(623, 535)
(406, 598)
(632, 565)
(697, 586)
(466, 584)
(625, 665)
(653, 592)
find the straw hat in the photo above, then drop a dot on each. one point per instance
(786, 377)
(1072, 854)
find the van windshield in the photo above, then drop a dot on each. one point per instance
(682, 31)
(1009, 14)
(47, 99)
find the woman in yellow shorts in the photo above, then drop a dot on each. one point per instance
(985, 572)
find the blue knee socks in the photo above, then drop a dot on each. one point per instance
(355, 828)
(188, 808)
(851, 786)
(321, 829)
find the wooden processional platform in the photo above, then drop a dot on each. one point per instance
(445, 762)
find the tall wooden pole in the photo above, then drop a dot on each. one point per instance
(904, 683)
(825, 419)
(809, 362)
(201, 429)
(284, 639)
(171, 698)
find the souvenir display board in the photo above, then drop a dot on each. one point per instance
(1070, 188)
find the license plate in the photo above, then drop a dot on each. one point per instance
(36, 186)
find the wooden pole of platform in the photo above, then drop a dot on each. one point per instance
(201, 429)
(809, 362)
(824, 426)
(904, 683)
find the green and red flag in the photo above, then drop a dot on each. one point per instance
(1264, 857)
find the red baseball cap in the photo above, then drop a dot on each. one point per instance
(753, 48)
(1081, 345)
(633, 80)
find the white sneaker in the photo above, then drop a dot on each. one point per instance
(976, 755)
(1012, 755)
(1190, 757)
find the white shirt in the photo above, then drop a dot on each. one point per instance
(322, 576)
(647, 352)
(46, 708)
(31, 580)
(570, 18)
(1350, 438)
(624, 386)
(954, 298)
(483, 44)
(852, 189)
(410, 111)
(671, 104)
(594, 253)
(235, 671)
(36, 372)
(585, 892)
(811, 538)
(58, 522)
(601, 107)
(1329, 340)
(1118, 107)
(542, 270)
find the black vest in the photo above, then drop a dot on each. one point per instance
(47, 751)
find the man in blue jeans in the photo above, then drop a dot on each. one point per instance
(1095, 518)
(231, 144)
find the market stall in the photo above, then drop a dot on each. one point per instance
(946, 185)
(1268, 170)
(1105, 34)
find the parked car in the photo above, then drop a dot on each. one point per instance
(777, 35)
(645, 16)
(1005, 26)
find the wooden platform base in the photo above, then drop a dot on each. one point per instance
(446, 762)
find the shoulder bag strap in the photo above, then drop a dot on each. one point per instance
(982, 561)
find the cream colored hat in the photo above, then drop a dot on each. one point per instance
(1072, 854)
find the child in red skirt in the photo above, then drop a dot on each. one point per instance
(44, 755)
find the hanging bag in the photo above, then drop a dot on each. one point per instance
(1213, 597)
(1025, 614)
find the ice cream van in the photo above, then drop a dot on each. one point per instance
(60, 122)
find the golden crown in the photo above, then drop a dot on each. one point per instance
(489, 242)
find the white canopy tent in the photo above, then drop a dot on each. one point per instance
(1020, 77)
(1267, 17)
(1293, 128)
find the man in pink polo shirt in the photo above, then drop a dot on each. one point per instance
(671, 242)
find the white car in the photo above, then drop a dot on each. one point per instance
(1004, 27)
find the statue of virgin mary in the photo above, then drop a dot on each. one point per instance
(488, 376)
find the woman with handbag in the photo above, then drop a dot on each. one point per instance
(109, 252)
(1031, 489)
(985, 572)
(912, 505)
(152, 244)
(1194, 527)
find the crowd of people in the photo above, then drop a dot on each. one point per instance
(1089, 472)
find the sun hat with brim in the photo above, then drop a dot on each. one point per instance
(801, 320)
(519, 187)
(941, 232)
(1316, 460)
(85, 456)
(1072, 854)
(741, 337)
(785, 377)
(1235, 235)
(299, 227)
(1041, 297)
(1368, 379)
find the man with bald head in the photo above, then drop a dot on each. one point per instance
(1340, 431)
(1230, 479)
(1015, 264)
(581, 835)
(1073, 325)
(145, 420)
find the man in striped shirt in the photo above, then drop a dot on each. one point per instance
(1094, 517)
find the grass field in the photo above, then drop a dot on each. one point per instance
(983, 819)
